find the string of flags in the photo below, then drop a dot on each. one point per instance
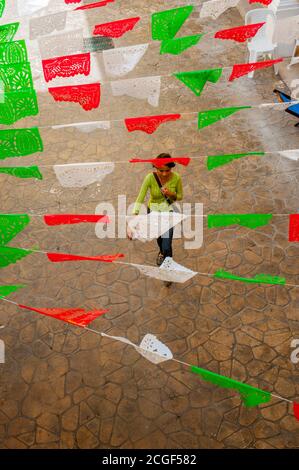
(169, 271)
(88, 96)
(11, 255)
(194, 80)
(78, 175)
(28, 10)
(57, 21)
(122, 60)
(152, 349)
(143, 227)
(28, 141)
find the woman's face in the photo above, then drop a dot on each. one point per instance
(163, 171)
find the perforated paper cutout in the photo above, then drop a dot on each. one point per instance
(13, 52)
(291, 154)
(166, 24)
(2, 7)
(215, 161)
(251, 221)
(10, 255)
(28, 7)
(206, 118)
(88, 96)
(7, 290)
(242, 69)
(294, 228)
(70, 219)
(66, 66)
(80, 175)
(240, 33)
(75, 316)
(264, 2)
(99, 4)
(66, 257)
(118, 62)
(116, 29)
(162, 161)
(149, 124)
(11, 225)
(150, 226)
(147, 88)
(22, 171)
(154, 350)
(16, 76)
(196, 80)
(18, 105)
(178, 272)
(171, 272)
(8, 31)
(295, 409)
(258, 278)
(250, 396)
(44, 25)
(176, 46)
(19, 142)
(61, 44)
(215, 8)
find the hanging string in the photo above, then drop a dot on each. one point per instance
(126, 216)
(168, 75)
(78, 10)
(205, 274)
(34, 250)
(189, 113)
(196, 157)
(135, 346)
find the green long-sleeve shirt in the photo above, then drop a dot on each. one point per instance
(157, 201)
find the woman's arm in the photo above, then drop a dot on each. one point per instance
(179, 190)
(141, 196)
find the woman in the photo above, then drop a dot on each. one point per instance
(165, 188)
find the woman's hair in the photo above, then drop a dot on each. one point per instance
(166, 155)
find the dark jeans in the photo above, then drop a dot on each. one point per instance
(165, 241)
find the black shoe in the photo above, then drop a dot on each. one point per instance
(167, 283)
(160, 259)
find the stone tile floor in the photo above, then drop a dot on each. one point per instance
(62, 387)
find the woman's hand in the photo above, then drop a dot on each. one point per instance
(168, 193)
(131, 227)
(129, 234)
